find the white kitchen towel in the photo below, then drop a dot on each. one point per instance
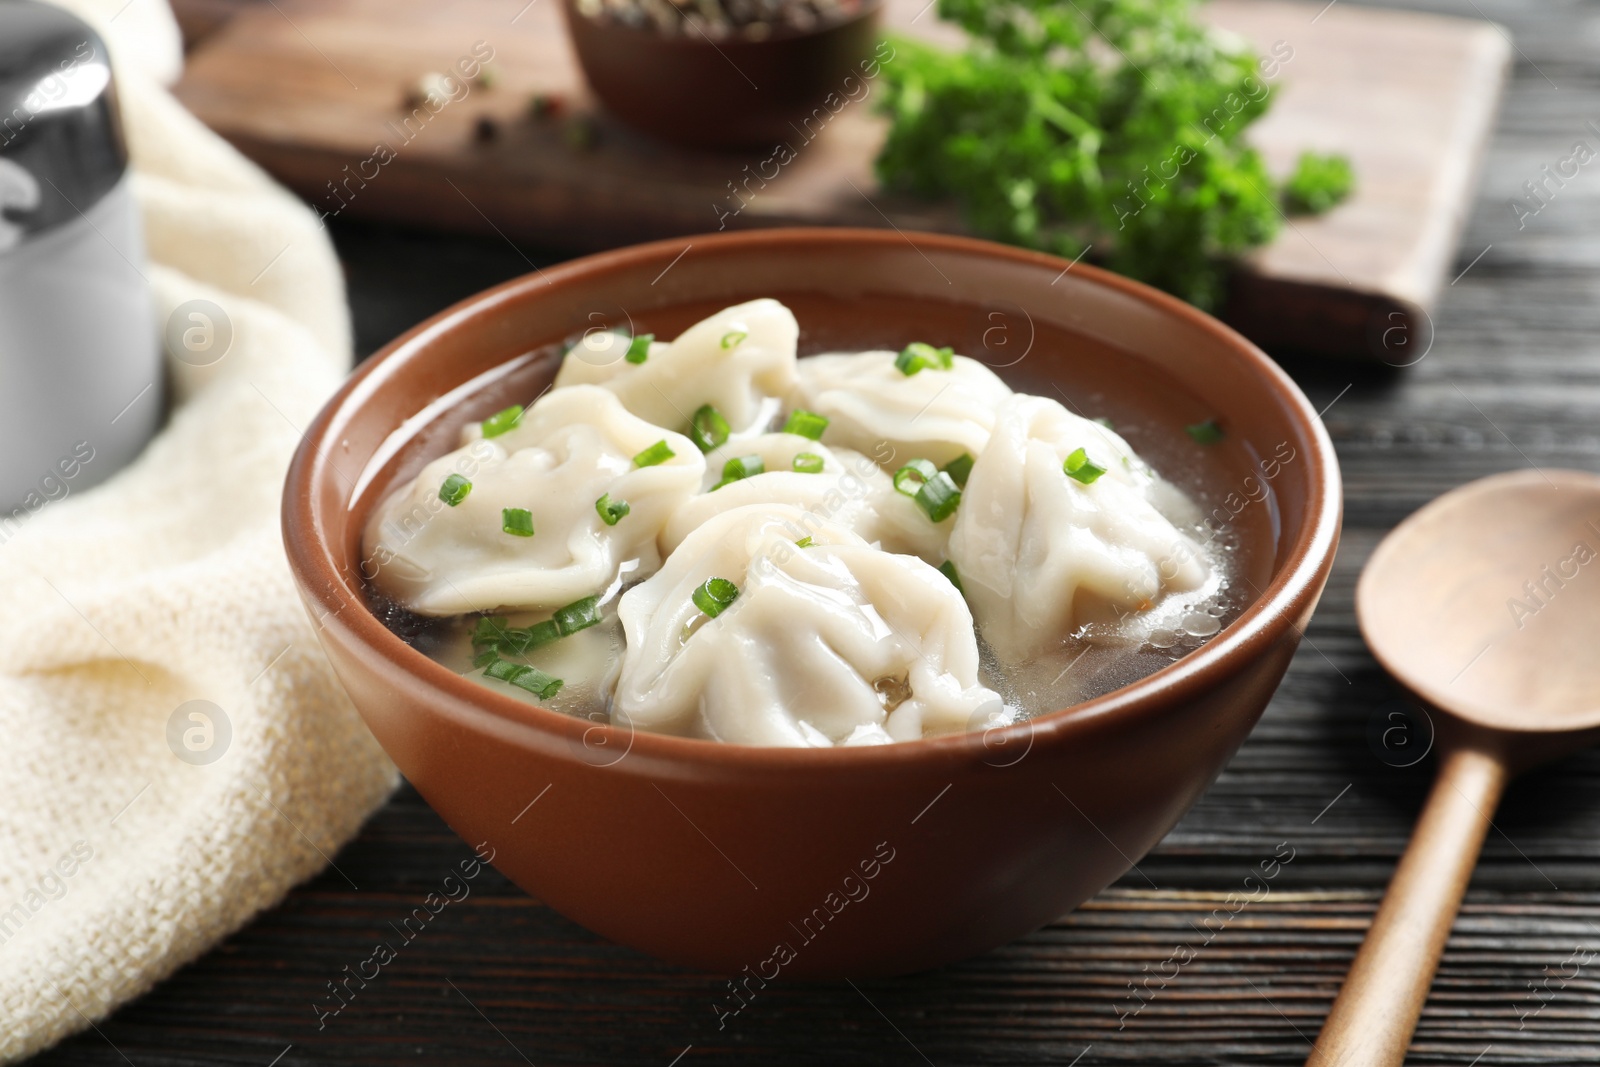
(123, 854)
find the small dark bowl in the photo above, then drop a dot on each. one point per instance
(847, 861)
(730, 93)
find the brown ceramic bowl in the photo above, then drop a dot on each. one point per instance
(731, 93)
(842, 862)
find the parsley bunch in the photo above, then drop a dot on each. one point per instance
(1071, 124)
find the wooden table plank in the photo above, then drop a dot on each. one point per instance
(1513, 379)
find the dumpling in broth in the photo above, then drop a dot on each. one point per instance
(893, 417)
(827, 484)
(572, 447)
(834, 643)
(737, 361)
(1040, 552)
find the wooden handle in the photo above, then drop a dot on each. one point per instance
(1372, 1020)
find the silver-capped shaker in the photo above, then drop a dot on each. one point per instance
(80, 357)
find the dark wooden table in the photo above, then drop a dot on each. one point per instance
(1512, 379)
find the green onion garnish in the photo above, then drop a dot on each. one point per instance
(502, 669)
(1103, 421)
(939, 497)
(1078, 467)
(503, 421)
(490, 629)
(454, 490)
(733, 337)
(518, 522)
(714, 595)
(948, 569)
(959, 469)
(808, 463)
(494, 635)
(578, 615)
(540, 633)
(656, 453)
(913, 476)
(522, 676)
(639, 348)
(1205, 433)
(806, 424)
(739, 468)
(611, 511)
(804, 542)
(918, 356)
(708, 429)
(515, 642)
(536, 682)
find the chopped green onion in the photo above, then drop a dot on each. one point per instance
(494, 636)
(714, 595)
(1205, 433)
(1078, 467)
(733, 337)
(522, 676)
(948, 569)
(939, 497)
(913, 476)
(1103, 421)
(516, 641)
(490, 629)
(708, 429)
(918, 356)
(959, 469)
(804, 542)
(611, 511)
(659, 452)
(738, 468)
(806, 424)
(454, 490)
(639, 348)
(808, 463)
(537, 682)
(502, 669)
(540, 633)
(518, 522)
(503, 421)
(578, 615)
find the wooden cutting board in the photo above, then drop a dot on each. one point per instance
(315, 91)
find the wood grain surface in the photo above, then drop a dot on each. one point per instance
(1512, 379)
(313, 92)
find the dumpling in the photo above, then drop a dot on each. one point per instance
(893, 417)
(1039, 552)
(738, 361)
(848, 489)
(572, 447)
(835, 643)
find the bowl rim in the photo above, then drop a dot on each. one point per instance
(869, 9)
(1285, 602)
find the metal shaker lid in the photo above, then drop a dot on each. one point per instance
(61, 142)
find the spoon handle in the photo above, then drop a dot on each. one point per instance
(1372, 1020)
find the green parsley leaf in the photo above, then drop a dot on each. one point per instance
(1117, 126)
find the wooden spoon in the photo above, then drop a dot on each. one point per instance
(1485, 603)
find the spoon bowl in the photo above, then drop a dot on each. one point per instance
(1484, 603)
